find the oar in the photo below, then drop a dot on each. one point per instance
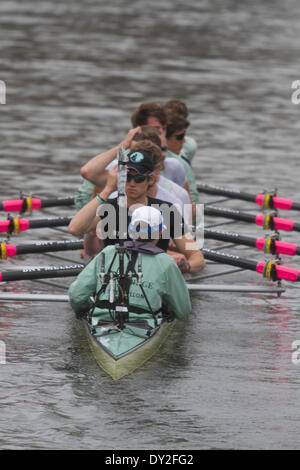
(267, 221)
(11, 296)
(8, 250)
(30, 273)
(268, 269)
(16, 225)
(266, 200)
(268, 245)
(33, 203)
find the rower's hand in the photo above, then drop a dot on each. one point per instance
(126, 143)
(112, 179)
(181, 261)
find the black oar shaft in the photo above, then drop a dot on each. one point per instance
(60, 201)
(41, 273)
(234, 194)
(232, 260)
(48, 246)
(229, 213)
(49, 222)
(230, 237)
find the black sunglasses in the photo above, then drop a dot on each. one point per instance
(137, 178)
(180, 136)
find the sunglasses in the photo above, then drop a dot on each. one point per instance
(137, 178)
(164, 149)
(180, 136)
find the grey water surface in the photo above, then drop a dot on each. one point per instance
(74, 71)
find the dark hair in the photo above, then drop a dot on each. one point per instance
(140, 115)
(177, 107)
(175, 123)
(148, 133)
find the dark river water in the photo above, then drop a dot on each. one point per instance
(73, 72)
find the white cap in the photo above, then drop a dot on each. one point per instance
(146, 222)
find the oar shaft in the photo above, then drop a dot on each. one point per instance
(231, 193)
(232, 260)
(41, 273)
(229, 237)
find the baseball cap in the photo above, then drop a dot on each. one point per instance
(141, 161)
(146, 222)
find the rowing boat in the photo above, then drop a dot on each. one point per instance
(120, 352)
(128, 335)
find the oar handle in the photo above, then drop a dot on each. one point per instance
(28, 204)
(17, 205)
(266, 221)
(268, 244)
(277, 223)
(8, 250)
(282, 272)
(16, 225)
(266, 200)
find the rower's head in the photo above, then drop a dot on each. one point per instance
(176, 106)
(175, 132)
(150, 114)
(146, 224)
(152, 133)
(140, 168)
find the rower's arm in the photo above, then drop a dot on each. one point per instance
(187, 246)
(95, 169)
(86, 219)
(177, 297)
(84, 287)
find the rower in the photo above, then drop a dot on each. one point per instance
(95, 171)
(175, 135)
(140, 177)
(152, 114)
(178, 107)
(163, 188)
(151, 280)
